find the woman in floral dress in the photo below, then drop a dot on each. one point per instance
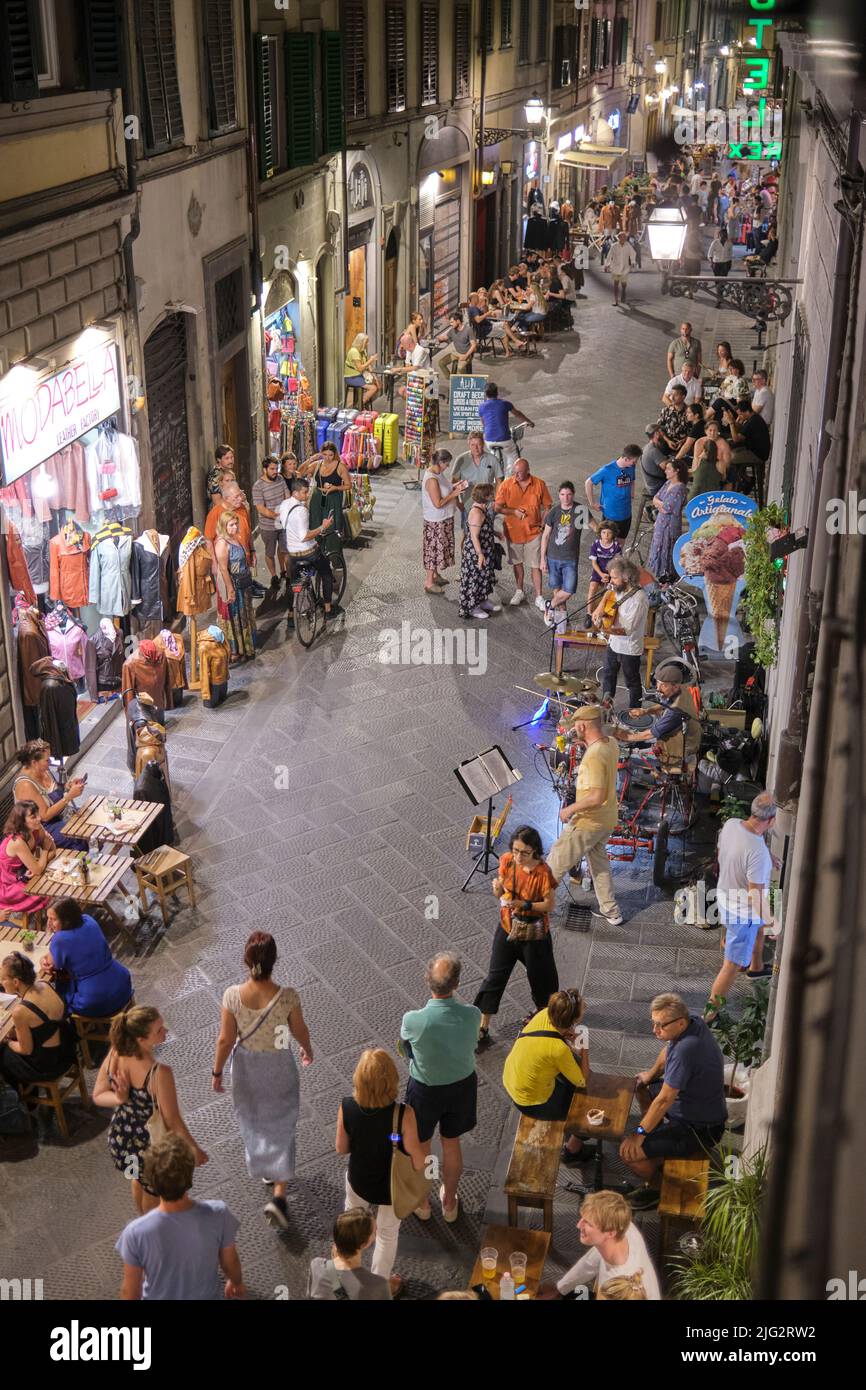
(234, 590)
(668, 502)
(477, 575)
(437, 511)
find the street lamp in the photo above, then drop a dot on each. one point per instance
(534, 110)
(660, 67)
(666, 229)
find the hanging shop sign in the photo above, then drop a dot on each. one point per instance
(464, 397)
(532, 159)
(39, 416)
(359, 188)
(712, 556)
(756, 83)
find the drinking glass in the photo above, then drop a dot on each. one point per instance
(489, 1257)
(518, 1267)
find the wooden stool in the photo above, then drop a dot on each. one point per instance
(92, 1030)
(164, 871)
(355, 397)
(53, 1093)
(534, 1168)
(685, 1182)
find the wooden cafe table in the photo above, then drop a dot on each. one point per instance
(509, 1240)
(94, 822)
(613, 1095)
(12, 939)
(61, 879)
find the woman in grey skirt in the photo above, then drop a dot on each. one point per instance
(259, 1019)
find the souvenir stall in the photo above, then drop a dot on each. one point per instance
(291, 422)
(70, 497)
(422, 422)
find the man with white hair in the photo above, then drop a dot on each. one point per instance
(688, 378)
(593, 814)
(745, 865)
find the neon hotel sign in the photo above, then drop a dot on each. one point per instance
(757, 83)
(37, 418)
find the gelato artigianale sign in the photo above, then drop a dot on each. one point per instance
(712, 556)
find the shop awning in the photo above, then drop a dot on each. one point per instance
(578, 159)
(610, 151)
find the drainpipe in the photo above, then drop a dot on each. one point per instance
(479, 149)
(128, 105)
(253, 171)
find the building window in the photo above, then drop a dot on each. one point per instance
(505, 24)
(523, 55)
(229, 306)
(301, 101)
(461, 50)
(543, 14)
(267, 49)
(488, 24)
(620, 39)
(47, 57)
(395, 57)
(333, 108)
(563, 53)
(605, 43)
(660, 10)
(163, 117)
(355, 30)
(219, 45)
(429, 55)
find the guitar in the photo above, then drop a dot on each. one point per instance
(611, 603)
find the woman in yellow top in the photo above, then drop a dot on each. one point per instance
(548, 1063)
(356, 369)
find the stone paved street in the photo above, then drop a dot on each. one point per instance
(320, 805)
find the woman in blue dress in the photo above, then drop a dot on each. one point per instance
(96, 984)
(668, 502)
(36, 782)
(234, 590)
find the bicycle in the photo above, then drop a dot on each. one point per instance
(679, 613)
(308, 607)
(496, 447)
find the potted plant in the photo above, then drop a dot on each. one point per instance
(721, 1269)
(742, 1040)
(761, 599)
(28, 939)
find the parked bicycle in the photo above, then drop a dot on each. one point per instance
(309, 606)
(681, 623)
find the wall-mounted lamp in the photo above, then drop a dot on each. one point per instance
(488, 177)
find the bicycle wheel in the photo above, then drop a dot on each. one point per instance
(660, 854)
(338, 565)
(671, 625)
(306, 615)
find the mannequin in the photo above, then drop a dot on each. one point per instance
(33, 646)
(149, 577)
(150, 786)
(195, 588)
(214, 663)
(19, 575)
(69, 566)
(110, 577)
(108, 646)
(146, 670)
(141, 710)
(58, 705)
(67, 640)
(175, 654)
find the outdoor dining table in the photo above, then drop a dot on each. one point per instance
(62, 879)
(95, 821)
(507, 1241)
(613, 1095)
(14, 938)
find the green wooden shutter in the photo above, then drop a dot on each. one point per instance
(159, 82)
(103, 37)
(300, 63)
(219, 44)
(19, 76)
(266, 122)
(333, 109)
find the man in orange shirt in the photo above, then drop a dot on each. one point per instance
(233, 500)
(523, 501)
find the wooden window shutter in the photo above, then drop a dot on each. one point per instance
(219, 41)
(355, 29)
(488, 25)
(541, 41)
(395, 57)
(429, 55)
(505, 24)
(160, 89)
(19, 77)
(461, 51)
(523, 54)
(333, 122)
(103, 37)
(266, 124)
(300, 59)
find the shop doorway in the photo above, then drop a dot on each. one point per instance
(327, 390)
(165, 374)
(390, 291)
(355, 320)
(484, 269)
(230, 416)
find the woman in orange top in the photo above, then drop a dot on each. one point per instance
(526, 889)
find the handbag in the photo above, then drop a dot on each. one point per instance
(520, 925)
(498, 556)
(409, 1188)
(239, 1041)
(156, 1126)
(352, 518)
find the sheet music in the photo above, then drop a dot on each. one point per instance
(487, 774)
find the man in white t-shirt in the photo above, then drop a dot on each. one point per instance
(625, 638)
(302, 542)
(617, 1251)
(621, 260)
(745, 865)
(694, 387)
(763, 400)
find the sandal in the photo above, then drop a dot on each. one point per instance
(484, 1040)
(396, 1282)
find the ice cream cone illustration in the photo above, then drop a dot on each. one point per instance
(720, 599)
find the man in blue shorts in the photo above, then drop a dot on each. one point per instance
(560, 551)
(742, 894)
(682, 1096)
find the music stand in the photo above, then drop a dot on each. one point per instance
(482, 778)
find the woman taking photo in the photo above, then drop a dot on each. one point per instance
(331, 493)
(96, 984)
(694, 430)
(724, 361)
(139, 1089)
(548, 1063)
(258, 1017)
(477, 575)
(36, 782)
(356, 369)
(708, 472)
(526, 889)
(234, 590)
(437, 510)
(668, 502)
(365, 1123)
(43, 1045)
(25, 850)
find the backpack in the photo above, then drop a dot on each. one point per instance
(13, 1116)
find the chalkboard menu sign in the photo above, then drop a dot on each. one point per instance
(465, 396)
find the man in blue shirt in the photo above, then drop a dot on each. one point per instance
(440, 1041)
(682, 1095)
(494, 415)
(616, 480)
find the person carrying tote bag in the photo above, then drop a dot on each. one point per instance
(409, 1187)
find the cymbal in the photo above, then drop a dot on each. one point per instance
(549, 680)
(575, 684)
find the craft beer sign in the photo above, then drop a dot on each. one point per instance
(756, 83)
(38, 417)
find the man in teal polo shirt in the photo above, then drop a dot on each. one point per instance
(440, 1042)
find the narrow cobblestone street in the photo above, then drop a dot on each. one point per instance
(320, 805)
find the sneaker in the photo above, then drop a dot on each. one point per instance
(479, 613)
(517, 597)
(587, 622)
(274, 584)
(484, 1040)
(586, 1154)
(267, 1182)
(490, 606)
(761, 974)
(450, 1213)
(615, 921)
(643, 1198)
(548, 615)
(337, 610)
(561, 619)
(424, 1212)
(541, 603)
(278, 1213)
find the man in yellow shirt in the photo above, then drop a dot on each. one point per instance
(593, 813)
